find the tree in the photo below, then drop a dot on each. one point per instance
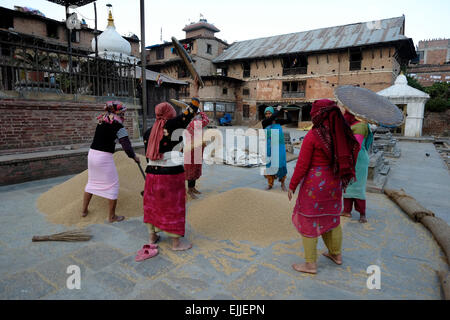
(415, 84)
(439, 97)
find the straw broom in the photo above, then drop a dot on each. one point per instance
(68, 236)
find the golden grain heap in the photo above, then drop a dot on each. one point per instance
(244, 214)
(63, 203)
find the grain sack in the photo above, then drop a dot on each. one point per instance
(63, 203)
(245, 214)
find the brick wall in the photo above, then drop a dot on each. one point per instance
(47, 166)
(436, 124)
(19, 171)
(29, 125)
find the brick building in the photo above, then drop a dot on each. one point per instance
(51, 30)
(433, 62)
(291, 70)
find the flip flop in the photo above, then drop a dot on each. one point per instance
(339, 263)
(150, 246)
(146, 254)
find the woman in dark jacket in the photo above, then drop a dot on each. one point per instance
(103, 180)
(165, 190)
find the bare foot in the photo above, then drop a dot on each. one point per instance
(84, 214)
(192, 195)
(310, 268)
(196, 191)
(346, 214)
(362, 219)
(335, 258)
(154, 238)
(116, 219)
(283, 187)
(269, 187)
(178, 245)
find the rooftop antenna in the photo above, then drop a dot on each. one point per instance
(161, 35)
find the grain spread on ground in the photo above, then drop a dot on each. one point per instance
(244, 214)
(63, 203)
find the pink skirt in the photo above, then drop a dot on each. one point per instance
(319, 203)
(165, 202)
(103, 179)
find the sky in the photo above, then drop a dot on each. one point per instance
(249, 19)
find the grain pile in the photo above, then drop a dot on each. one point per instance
(63, 203)
(244, 214)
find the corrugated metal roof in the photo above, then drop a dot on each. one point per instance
(352, 35)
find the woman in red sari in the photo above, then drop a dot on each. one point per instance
(325, 167)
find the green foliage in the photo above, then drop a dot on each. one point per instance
(415, 84)
(439, 97)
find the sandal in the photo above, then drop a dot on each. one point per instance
(150, 246)
(146, 254)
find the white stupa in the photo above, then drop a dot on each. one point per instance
(112, 46)
(403, 94)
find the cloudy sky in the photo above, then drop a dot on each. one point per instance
(249, 19)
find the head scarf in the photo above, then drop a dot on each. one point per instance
(269, 109)
(337, 139)
(113, 110)
(164, 111)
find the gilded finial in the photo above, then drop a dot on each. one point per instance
(110, 17)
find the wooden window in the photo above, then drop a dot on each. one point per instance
(6, 21)
(246, 67)
(75, 36)
(209, 48)
(246, 91)
(184, 91)
(225, 91)
(159, 53)
(297, 64)
(182, 71)
(294, 89)
(246, 111)
(52, 30)
(355, 60)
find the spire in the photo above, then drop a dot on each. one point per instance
(110, 17)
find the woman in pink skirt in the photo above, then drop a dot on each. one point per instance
(165, 190)
(103, 180)
(325, 167)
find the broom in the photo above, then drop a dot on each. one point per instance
(68, 236)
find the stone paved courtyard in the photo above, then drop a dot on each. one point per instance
(405, 251)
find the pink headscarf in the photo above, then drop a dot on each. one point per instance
(164, 111)
(113, 110)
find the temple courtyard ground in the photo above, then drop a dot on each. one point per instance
(405, 252)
